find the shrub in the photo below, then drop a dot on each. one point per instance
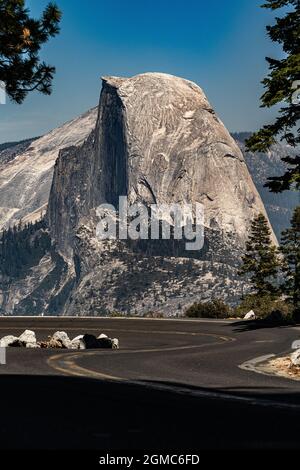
(214, 309)
(155, 314)
(264, 307)
(116, 314)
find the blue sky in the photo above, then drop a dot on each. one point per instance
(219, 44)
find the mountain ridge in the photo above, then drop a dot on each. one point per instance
(168, 147)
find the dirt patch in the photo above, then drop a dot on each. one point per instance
(283, 367)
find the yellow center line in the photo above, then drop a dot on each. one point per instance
(66, 362)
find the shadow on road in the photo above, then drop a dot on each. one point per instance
(57, 412)
(250, 325)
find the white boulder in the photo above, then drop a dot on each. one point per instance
(250, 315)
(28, 338)
(61, 337)
(115, 343)
(91, 342)
(77, 343)
(296, 344)
(9, 340)
(295, 358)
(33, 345)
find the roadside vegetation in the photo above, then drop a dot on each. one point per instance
(214, 309)
(273, 273)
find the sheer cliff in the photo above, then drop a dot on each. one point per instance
(155, 138)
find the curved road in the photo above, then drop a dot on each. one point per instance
(174, 384)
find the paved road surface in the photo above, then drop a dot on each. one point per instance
(172, 385)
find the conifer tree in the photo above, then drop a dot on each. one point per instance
(21, 38)
(282, 85)
(261, 260)
(290, 248)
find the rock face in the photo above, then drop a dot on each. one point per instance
(26, 170)
(157, 140)
(35, 160)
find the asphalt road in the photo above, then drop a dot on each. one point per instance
(172, 385)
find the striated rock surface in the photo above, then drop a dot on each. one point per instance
(26, 170)
(157, 140)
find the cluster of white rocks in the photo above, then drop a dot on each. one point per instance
(60, 340)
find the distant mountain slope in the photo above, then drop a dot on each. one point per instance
(264, 165)
(10, 150)
(26, 169)
(7, 145)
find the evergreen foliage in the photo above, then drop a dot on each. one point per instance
(264, 307)
(214, 309)
(21, 38)
(281, 85)
(21, 247)
(261, 260)
(290, 248)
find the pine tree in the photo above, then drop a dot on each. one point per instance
(21, 38)
(261, 260)
(290, 248)
(21, 247)
(282, 85)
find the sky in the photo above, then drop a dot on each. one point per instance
(219, 44)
